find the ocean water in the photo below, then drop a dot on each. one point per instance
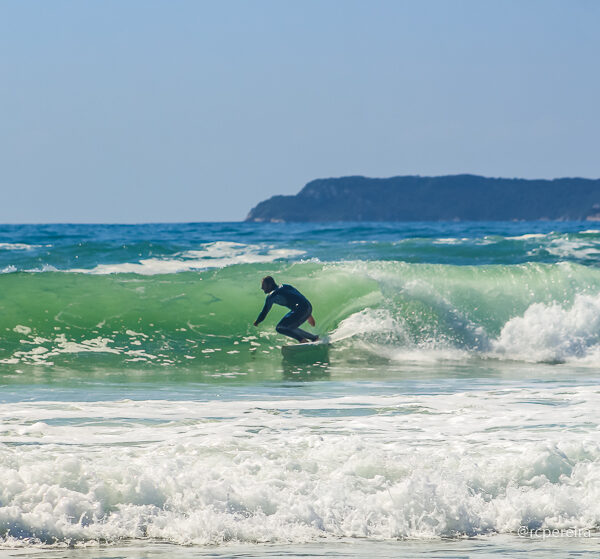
(454, 414)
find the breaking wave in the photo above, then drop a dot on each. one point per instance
(529, 312)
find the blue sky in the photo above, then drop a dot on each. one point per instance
(137, 111)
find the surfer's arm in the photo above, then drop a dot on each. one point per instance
(265, 311)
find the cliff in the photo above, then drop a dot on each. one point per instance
(445, 198)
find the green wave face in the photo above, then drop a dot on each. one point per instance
(204, 320)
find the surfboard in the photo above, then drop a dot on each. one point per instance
(313, 351)
(320, 342)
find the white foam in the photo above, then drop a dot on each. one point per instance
(20, 246)
(527, 237)
(41, 355)
(470, 240)
(448, 241)
(212, 255)
(422, 466)
(41, 269)
(552, 332)
(564, 247)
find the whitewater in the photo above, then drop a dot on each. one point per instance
(455, 412)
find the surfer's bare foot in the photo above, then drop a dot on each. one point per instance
(304, 341)
(311, 320)
(316, 339)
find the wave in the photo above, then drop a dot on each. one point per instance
(106, 250)
(212, 255)
(218, 254)
(417, 467)
(534, 312)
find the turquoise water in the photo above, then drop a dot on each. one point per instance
(454, 413)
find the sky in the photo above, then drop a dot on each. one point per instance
(126, 111)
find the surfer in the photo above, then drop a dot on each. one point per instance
(300, 310)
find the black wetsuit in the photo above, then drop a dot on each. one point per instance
(300, 310)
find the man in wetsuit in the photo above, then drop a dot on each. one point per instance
(300, 310)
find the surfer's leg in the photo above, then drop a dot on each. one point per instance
(288, 325)
(306, 335)
(290, 332)
(296, 333)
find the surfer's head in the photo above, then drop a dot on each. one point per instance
(268, 284)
